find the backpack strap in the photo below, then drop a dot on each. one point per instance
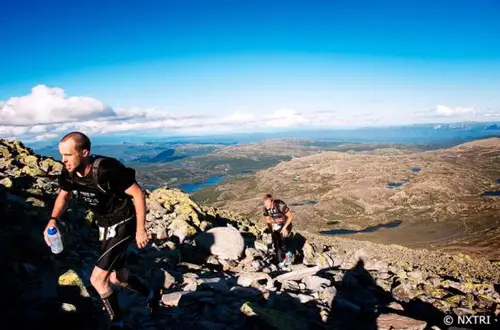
(281, 206)
(95, 173)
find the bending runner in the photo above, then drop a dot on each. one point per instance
(108, 189)
(278, 217)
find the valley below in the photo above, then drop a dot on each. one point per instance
(443, 199)
(433, 195)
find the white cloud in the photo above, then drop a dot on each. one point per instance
(47, 113)
(47, 105)
(447, 111)
(46, 136)
(287, 118)
(447, 114)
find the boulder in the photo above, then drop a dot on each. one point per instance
(223, 242)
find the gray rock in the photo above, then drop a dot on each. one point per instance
(396, 321)
(403, 292)
(463, 311)
(434, 280)
(298, 274)
(252, 252)
(190, 287)
(224, 242)
(68, 307)
(313, 283)
(267, 238)
(161, 232)
(378, 265)
(325, 260)
(256, 265)
(247, 279)
(169, 280)
(182, 229)
(303, 298)
(328, 295)
(298, 267)
(204, 225)
(208, 280)
(150, 217)
(416, 275)
(189, 278)
(309, 254)
(172, 299)
(290, 286)
(393, 269)
(212, 260)
(259, 245)
(384, 275)
(189, 266)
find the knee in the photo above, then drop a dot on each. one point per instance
(118, 278)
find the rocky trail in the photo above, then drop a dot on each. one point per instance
(215, 270)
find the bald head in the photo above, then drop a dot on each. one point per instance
(82, 142)
(75, 150)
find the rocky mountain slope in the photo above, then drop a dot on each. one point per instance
(215, 269)
(430, 199)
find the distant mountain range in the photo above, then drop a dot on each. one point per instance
(422, 133)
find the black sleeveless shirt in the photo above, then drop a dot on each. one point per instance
(278, 210)
(110, 207)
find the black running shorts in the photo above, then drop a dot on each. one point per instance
(115, 244)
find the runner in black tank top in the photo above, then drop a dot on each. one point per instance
(109, 189)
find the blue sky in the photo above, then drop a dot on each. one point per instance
(197, 66)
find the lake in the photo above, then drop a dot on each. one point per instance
(491, 193)
(370, 229)
(193, 187)
(394, 185)
(304, 203)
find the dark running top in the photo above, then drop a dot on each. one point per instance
(109, 207)
(277, 211)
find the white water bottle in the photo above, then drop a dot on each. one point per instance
(56, 245)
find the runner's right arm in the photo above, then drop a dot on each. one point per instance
(61, 203)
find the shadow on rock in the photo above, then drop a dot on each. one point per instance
(217, 301)
(30, 273)
(362, 304)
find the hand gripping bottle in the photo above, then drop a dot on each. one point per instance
(55, 240)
